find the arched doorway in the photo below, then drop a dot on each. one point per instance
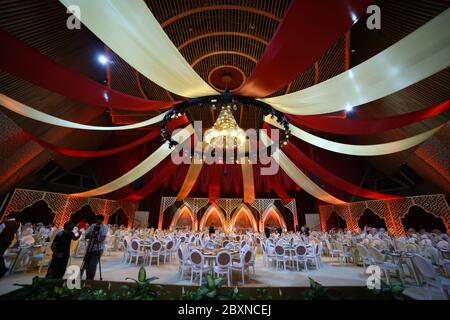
(213, 215)
(85, 213)
(243, 219)
(417, 218)
(272, 218)
(119, 218)
(335, 221)
(36, 213)
(370, 219)
(183, 219)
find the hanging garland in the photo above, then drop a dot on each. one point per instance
(219, 101)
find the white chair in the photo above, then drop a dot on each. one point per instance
(198, 265)
(43, 259)
(431, 277)
(252, 260)
(387, 266)
(280, 256)
(184, 261)
(243, 264)
(154, 252)
(311, 254)
(135, 251)
(332, 252)
(223, 263)
(343, 254)
(300, 256)
(126, 250)
(167, 251)
(365, 256)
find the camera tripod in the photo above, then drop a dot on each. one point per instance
(89, 252)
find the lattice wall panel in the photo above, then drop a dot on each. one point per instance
(392, 211)
(64, 205)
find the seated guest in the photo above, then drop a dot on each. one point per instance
(61, 252)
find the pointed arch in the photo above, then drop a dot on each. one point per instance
(272, 210)
(181, 211)
(213, 209)
(243, 209)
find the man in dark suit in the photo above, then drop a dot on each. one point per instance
(212, 229)
(8, 229)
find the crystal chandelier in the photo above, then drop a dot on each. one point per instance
(225, 133)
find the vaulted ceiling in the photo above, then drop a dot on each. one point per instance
(212, 35)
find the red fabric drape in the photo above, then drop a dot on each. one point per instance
(307, 31)
(153, 133)
(298, 156)
(27, 63)
(367, 126)
(215, 172)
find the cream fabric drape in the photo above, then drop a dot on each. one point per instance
(417, 56)
(131, 31)
(189, 181)
(37, 115)
(145, 166)
(358, 150)
(248, 182)
(298, 176)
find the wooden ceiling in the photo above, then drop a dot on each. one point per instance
(210, 34)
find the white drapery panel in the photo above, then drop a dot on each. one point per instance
(130, 30)
(358, 150)
(145, 166)
(419, 55)
(37, 115)
(298, 176)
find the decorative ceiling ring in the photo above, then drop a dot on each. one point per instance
(236, 73)
(193, 64)
(219, 7)
(222, 33)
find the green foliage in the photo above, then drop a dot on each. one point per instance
(144, 290)
(263, 294)
(317, 292)
(389, 291)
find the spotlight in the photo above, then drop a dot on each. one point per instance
(349, 108)
(103, 59)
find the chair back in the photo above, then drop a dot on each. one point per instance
(156, 246)
(134, 245)
(229, 246)
(426, 269)
(279, 250)
(376, 255)
(169, 245)
(224, 244)
(247, 256)
(300, 250)
(197, 258)
(223, 259)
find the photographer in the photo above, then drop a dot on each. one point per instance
(61, 251)
(96, 234)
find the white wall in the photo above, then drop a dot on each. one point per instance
(313, 221)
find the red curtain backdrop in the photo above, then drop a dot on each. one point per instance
(27, 63)
(349, 126)
(307, 31)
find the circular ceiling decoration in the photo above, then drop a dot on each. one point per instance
(223, 77)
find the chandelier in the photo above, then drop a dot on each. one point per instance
(225, 133)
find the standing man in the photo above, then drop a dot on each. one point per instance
(212, 229)
(8, 229)
(96, 234)
(61, 251)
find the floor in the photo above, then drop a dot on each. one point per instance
(331, 274)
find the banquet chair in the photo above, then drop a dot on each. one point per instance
(43, 259)
(166, 251)
(331, 251)
(225, 243)
(300, 256)
(198, 265)
(386, 266)
(126, 250)
(431, 277)
(154, 252)
(343, 254)
(135, 251)
(280, 256)
(365, 256)
(312, 254)
(243, 264)
(223, 263)
(252, 260)
(184, 261)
